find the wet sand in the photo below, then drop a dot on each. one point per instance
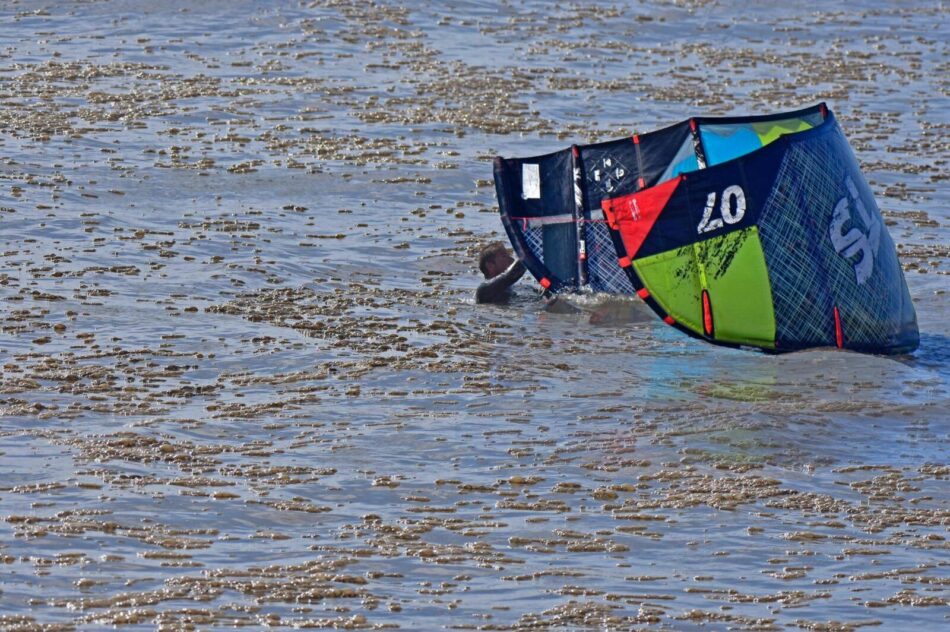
(244, 382)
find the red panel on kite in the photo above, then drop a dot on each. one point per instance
(634, 215)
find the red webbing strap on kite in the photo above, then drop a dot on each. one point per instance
(839, 334)
(641, 183)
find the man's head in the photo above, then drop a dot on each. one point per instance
(494, 259)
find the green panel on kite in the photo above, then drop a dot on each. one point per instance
(672, 278)
(731, 268)
(771, 130)
(739, 291)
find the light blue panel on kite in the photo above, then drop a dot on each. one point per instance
(684, 166)
(683, 162)
(725, 142)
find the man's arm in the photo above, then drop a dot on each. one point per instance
(495, 290)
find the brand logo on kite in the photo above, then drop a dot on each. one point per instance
(578, 192)
(731, 209)
(608, 173)
(634, 210)
(853, 242)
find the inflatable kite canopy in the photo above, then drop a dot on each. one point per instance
(752, 231)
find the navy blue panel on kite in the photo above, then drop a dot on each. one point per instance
(850, 274)
(744, 231)
(540, 215)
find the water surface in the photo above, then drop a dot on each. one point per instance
(245, 383)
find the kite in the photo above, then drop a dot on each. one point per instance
(755, 231)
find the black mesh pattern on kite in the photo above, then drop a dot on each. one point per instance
(809, 277)
(604, 273)
(803, 310)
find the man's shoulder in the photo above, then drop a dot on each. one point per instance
(495, 290)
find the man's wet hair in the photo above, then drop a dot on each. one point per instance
(488, 253)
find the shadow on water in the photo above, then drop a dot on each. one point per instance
(933, 353)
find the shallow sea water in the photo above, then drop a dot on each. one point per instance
(244, 382)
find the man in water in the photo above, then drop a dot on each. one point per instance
(501, 272)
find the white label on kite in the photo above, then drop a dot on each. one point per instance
(530, 182)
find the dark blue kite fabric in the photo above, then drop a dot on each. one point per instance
(819, 191)
(540, 220)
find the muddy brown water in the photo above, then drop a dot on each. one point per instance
(244, 382)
